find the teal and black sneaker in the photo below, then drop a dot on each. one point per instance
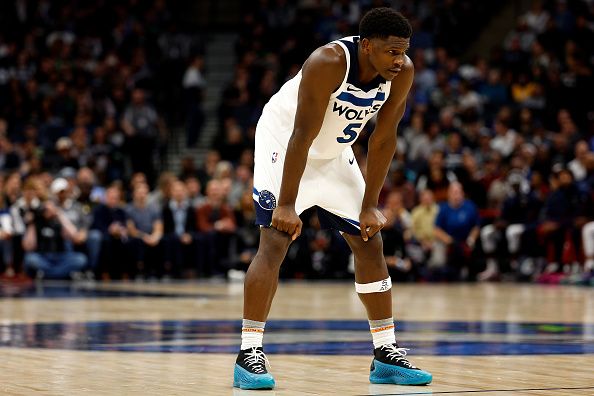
(389, 366)
(250, 370)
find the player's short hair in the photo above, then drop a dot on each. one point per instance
(382, 22)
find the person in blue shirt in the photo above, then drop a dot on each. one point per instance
(457, 228)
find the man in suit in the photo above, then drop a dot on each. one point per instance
(180, 231)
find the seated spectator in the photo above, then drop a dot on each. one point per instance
(180, 232)
(65, 150)
(494, 93)
(160, 196)
(519, 211)
(108, 237)
(422, 228)
(140, 178)
(395, 234)
(60, 189)
(537, 17)
(505, 139)
(145, 229)
(47, 256)
(9, 157)
(436, 177)
(89, 193)
(193, 188)
(242, 181)
(216, 221)
(6, 232)
(11, 190)
(578, 166)
(453, 152)
(456, 230)
(470, 176)
(424, 144)
(565, 212)
(28, 202)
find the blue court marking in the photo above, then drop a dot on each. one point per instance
(68, 290)
(304, 337)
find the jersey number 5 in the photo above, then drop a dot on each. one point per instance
(349, 132)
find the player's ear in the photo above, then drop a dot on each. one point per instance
(366, 45)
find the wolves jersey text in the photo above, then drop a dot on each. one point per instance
(349, 108)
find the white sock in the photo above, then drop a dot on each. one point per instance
(252, 333)
(382, 331)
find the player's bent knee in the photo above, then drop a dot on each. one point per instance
(366, 250)
(273, 247)
(374, 287)
(271, 238)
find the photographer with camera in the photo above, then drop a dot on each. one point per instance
(47, 231)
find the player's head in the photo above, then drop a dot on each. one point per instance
(385, 37)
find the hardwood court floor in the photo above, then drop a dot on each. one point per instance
(180, 339)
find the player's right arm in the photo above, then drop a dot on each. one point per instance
(322, 73)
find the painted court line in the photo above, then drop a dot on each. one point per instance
(482, 391)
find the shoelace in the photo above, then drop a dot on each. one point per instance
(257, 359)
(397, 354)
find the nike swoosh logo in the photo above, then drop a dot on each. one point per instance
(351, 161)
(352, 89)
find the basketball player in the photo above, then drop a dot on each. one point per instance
(303, 158)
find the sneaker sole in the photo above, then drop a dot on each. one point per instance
(389, 374)
(243, 379)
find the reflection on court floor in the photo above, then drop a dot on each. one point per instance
(68, 290)
(305, 337)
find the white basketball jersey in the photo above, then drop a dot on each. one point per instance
(349, 108)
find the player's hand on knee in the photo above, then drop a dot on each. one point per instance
(285, 219)
(371, 221)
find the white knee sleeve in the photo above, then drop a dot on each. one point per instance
(374, 287)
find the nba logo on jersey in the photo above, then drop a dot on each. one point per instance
(274, 157)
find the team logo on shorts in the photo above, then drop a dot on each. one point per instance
(266, 200)
(274, 157)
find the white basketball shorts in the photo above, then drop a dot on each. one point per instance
(334, 186)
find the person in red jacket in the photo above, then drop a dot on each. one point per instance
(216, 222)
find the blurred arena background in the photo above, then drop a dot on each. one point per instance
(131, 124)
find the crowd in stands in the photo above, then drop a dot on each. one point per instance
(493, 176)
(72, 227)
(494, 171)
(93, 84)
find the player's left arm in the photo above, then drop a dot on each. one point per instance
(381, 149)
